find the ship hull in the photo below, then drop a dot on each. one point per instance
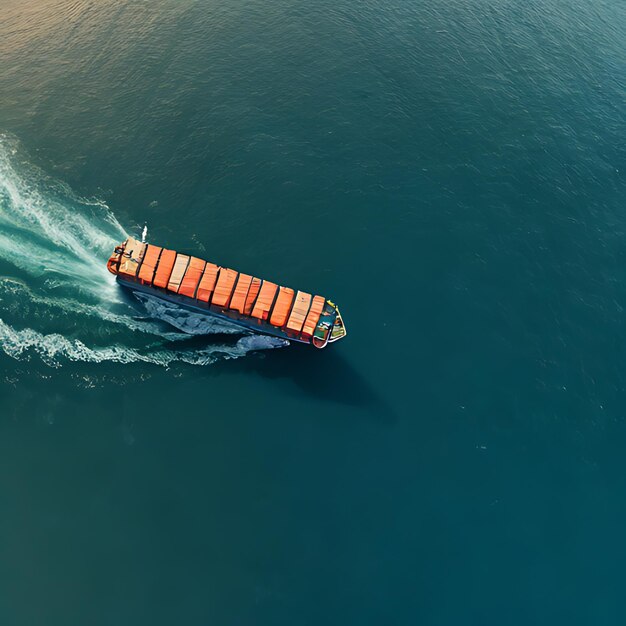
(232, 318)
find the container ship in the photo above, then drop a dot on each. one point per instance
(241, 300)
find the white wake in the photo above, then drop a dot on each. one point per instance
(57, 300)
(53, 349)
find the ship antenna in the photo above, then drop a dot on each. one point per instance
(144, 233)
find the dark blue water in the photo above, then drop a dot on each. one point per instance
(452, 175)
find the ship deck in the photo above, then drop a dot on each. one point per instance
(256, 305)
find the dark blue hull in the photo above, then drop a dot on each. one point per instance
(228, 316)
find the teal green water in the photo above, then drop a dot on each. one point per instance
(452, 175)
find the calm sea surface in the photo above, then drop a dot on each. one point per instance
(453, 175)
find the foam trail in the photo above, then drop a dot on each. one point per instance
(46, 228)
(53, 349)
(18, 292)
(59, 243)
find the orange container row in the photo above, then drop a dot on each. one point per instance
(228, 289)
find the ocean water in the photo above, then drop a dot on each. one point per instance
(453, 176)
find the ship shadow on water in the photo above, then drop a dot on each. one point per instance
(323, 374)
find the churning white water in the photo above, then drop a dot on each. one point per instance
(57, 299)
